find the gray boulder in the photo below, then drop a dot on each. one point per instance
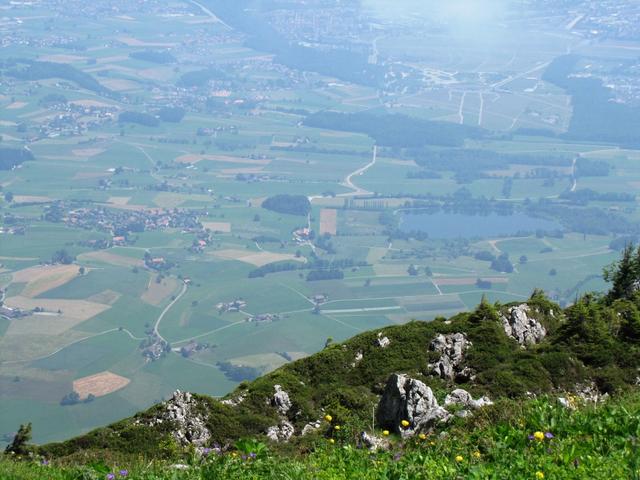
(452, 348)
(311, 427)
(521, 327)
(280, 400)
(464, 399)
(373, 443)
(280, 433)
(405, 398)
(190, 425)
(382, 342)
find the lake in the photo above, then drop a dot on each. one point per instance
(459, 225)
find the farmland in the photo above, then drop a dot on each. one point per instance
(136, 256)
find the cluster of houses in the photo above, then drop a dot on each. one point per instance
(264, 318)
(302, 236)
(12, 313)
(73, 119)
(236, 306)
(154, 348)
(114, 220)
(191, 348)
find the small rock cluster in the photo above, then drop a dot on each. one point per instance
(190, 424)
(382, 342)
(405, 398)
(282, 403)
(410, 400)
(280, 400)
(523, 328)
(452, 348)
(463, 399)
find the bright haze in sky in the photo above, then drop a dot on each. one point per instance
(461, 16)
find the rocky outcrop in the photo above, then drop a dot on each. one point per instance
(280, 433)
(373, 443)
(452, 348)
(407, 399)
(234, 401)
(310, 427)
(523, 328)
(190, 424)
(357, 359)
(589, 393)
(280, 400)
(382, 342)
(462, 398)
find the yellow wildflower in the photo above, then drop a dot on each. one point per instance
(432, 443)
(459, 458)
(476, 454)
(328, 418)
(405, 423)
(234, 454)
(385, 433)
(422, 436)
(539, 436)
(337, 427)
(539, 475)
(331, 440)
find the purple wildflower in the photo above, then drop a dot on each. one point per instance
(243, 457)
(123, 473)
(397, 457)
(548, 435)
(206, 451)
(530, 437)
(111, 476)
(252, 455)
(44, 462)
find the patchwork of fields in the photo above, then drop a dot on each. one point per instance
(204, 284)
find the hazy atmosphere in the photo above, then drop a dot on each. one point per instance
(201, 195)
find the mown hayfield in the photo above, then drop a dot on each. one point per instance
(158, 292)
(41, 279)
(99, 385)
(258, 259)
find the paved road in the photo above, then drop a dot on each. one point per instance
(166, 309)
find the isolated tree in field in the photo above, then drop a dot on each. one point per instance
(20, 443)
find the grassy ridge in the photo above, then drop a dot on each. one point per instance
(588, 442)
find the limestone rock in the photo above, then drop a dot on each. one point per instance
(520, 326)
(358, 358)
(235, 401)
(280, 400)
(311, 427)
(190, 424)
(382, 342)
(589, 393)
(280, 433)
(452, 348)
(464, 399)
(405, 398)
(373, 443)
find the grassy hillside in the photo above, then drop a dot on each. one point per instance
(590, 442)
(524, 357)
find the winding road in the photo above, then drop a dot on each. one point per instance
(348, 181)
(164, 312)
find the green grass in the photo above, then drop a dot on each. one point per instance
(588, 443)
